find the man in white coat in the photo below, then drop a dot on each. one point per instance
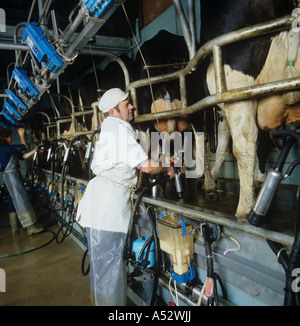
(105, 208)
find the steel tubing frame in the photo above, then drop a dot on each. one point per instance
(222, 95)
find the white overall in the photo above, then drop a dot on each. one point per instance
(13, 180)
(105, 209)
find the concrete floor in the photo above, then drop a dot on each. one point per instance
(49, 276)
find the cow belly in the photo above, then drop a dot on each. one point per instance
(170, 125)
(273, 113)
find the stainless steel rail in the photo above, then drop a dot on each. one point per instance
(222, 95)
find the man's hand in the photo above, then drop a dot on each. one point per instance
(21, 132)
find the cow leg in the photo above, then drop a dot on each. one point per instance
(209, 182)
(241, 120)
(222, 148)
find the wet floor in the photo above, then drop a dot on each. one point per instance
(40, 272)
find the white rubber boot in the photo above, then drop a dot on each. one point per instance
(31, 230)
(13, 221)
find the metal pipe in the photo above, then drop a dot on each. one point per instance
(192, 26)
(12, 46)
(225, 97)
(199, 214)
(7, 72)
(41, 14)
(219, 70)
(20, 25)
(195, 292)
(112, 56)
(43, 113)
(77, 21)
(233, 95)
(184, 26)
(182, 86)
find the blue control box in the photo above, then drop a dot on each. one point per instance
(98, 8)
(33, 36)
(25, 83)
(8, 117)
(16, 101)
(12, 110)
(141, 244)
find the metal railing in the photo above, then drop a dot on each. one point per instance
(222, 94)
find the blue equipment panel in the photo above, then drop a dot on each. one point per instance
(16, 101)
(12, 111)
(24, 82)
(141, 244)
(33, 36)
(99, 8)
(8, 117)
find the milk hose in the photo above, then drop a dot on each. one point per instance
(33, 249)
(151, 214)
(291, 262)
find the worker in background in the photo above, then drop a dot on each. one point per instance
(19, 205)
(105, 208)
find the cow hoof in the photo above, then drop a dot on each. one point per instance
(212, 195)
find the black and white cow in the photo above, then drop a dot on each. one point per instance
(162, 54)
(246, 63)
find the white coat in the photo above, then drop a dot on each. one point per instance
(106, 202)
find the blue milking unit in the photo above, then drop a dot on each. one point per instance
(22, 108)
(14, 107)
(144, 257)
(8, 117)
(12, 110)
(26, 85)
(99, 8)
(33, 36)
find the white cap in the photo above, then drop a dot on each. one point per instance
(111, 98)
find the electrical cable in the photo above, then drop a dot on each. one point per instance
(33, 249)
(83, 263)
(152, 218)
(151, 214)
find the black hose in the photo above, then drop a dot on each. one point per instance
(62, 186)
(291, 297)
(287, 133)
(291, 262)
(127, 247)
(211, 300)
(97, 131)
(283, 154)
(83, 263)
(291, 168)
(218, 278)
(147, 245)
(151, 214)
(283, 257)
(69, 227)
(64, 167)
(157, 251)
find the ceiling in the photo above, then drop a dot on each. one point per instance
(17, 11)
